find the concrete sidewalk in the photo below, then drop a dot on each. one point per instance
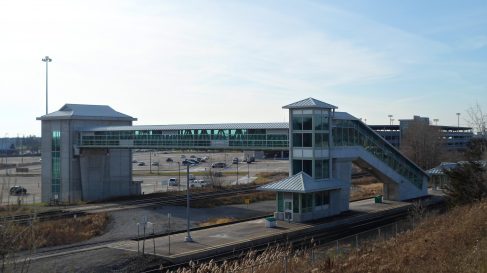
(213, 241)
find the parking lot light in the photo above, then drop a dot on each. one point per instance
(188, 237)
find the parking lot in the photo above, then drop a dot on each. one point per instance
(154, 177)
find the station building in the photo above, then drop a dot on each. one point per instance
(86, 155)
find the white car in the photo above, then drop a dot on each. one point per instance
(198, 184)
(172, 181)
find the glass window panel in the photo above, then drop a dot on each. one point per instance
(318, 199)
(307, 140)
(318, 122)
(308, 167)
(297, 140)
(296, 202)
(280, 202)
(318, 140)
(297, 122)
(297, 166)
(307, 122)
(325, 169)
(318, 169)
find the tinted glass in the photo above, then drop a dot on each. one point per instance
(307, 122)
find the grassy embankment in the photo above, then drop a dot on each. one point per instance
(51, 232)
(453, 242)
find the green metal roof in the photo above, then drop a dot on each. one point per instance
(310, 103)
(85, 111)
(302, 183)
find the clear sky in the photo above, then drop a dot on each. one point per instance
(168, 62)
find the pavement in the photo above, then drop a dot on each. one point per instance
(212, 241)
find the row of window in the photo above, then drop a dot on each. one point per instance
(308, 201)
(306, 140)
(353, 133)
(191, 143)
(321, 167)
(317, 121)
(56, 162)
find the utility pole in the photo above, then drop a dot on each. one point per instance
(436, 121)
(188, 237)
(458, 119)
(179, 176)
(390, 119)
(47, 60)
(237, 170)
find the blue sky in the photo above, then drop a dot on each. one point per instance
(168, 62)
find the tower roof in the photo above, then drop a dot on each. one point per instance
(86, 111)
(310, 103)
(301, 183)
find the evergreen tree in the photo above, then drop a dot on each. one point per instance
(468, 183)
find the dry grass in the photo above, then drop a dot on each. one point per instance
(217, 221)
(268, 177)
(55, 232)
(232, 200)
(365, 191)
(453, 242)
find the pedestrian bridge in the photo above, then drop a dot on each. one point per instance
(351, 139)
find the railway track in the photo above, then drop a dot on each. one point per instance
(173, 200)
(303, 241)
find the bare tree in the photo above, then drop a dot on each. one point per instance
(477, 119)
(423, 144)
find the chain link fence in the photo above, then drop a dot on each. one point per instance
(323, 251)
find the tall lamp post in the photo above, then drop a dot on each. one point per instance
(390, 119)
(179, 176)
(436, 121)
(46, 60)
(188, 237)
(458, 119)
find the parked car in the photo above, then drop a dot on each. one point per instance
(194, 161)
(169, 159)
(155, 163)
(183, 156)
(219, 165)
(198, 184)
(172, 181)
(192, 156)
(186, 162)
(18, 190)
(134, 161)
(141, 163)
(235, 160)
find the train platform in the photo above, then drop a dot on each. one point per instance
(245, 235)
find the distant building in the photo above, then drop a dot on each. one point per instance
(456, 138)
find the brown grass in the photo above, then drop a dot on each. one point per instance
(268, 177)
(453, 242)
(365, 191)
(56, 232)
(232, 200)
(217, 221)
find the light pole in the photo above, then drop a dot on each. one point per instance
(237, 171)
(150, 161)
(248, 171)
(390, 119)
(458, 119)
(179, 176)
(46, 60)
(436, 121)
(188, 237)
